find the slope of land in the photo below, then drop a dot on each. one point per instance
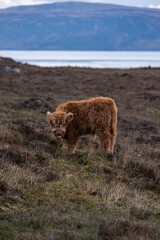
(79, 26)
(44, 194)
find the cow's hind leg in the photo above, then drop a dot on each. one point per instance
(105, 139)
(113, 139)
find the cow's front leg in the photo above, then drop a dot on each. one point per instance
(72, 144)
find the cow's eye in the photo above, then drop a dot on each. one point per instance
(51, 122)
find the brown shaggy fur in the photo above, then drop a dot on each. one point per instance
(95, 116)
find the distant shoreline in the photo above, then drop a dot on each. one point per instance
(91, 59)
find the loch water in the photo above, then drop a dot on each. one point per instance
(91, 59)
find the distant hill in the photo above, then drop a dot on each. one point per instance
(79, 26)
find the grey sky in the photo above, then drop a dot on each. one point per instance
(142, 3)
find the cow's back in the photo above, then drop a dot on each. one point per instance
(87, 112)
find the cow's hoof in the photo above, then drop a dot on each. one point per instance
(110, 156)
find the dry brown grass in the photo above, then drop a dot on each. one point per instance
(13, 174)
(43, 194)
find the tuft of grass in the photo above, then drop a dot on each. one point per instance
(125, 229)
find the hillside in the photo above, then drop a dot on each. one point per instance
(46, 195)
(79, 26)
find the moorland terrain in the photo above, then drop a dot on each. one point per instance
(46, 195)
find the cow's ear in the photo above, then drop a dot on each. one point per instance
(48, 115)
(69, 117)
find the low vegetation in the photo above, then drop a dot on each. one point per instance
(46, 195)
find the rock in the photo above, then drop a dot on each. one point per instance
(11, 69)
(35, 104)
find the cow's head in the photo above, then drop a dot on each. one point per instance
(59, 122)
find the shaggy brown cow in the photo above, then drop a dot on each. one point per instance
(95, 116)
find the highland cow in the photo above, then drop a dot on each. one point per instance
(95, 116)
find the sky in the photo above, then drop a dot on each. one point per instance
(138, 3)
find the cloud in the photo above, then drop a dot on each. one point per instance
(142, 3)
(153, 6)
(11, 3)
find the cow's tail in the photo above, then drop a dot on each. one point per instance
(113, 126)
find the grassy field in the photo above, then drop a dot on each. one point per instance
(46, 195)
